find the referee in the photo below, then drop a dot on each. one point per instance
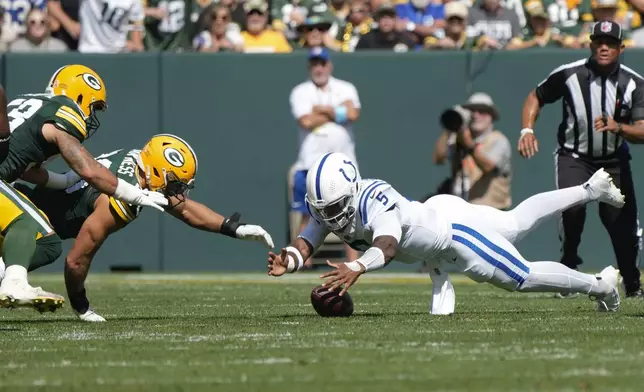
(603, 106)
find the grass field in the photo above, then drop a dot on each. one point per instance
(252, 333)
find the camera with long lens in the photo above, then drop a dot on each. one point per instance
(455, 119)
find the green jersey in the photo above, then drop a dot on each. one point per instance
(568, 16)
(175, 31)
(67, 209)
(27, 115)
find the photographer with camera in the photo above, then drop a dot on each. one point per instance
(479, 155)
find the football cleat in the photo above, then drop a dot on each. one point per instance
(609, 302)
(24, 296)
(601, 188)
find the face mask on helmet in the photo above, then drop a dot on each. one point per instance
(92, 123)
(336, 215)
(172, 185)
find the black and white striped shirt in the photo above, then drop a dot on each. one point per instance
(586, 96)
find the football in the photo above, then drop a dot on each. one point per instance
(330, 303)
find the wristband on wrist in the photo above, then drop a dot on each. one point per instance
(341, 114)
(295, 259)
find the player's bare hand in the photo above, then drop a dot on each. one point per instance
(340, 276)
(277, 263)
(528, 145)
(611, 125)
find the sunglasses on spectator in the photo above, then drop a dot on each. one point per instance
(320, 28)
(455, 19)
(40, 22)
(255, 12)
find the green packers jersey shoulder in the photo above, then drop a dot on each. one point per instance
(69, 208)
(123, 163)
(27, 115)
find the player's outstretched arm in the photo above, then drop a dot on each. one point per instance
(291, 258)
(5, 130)
(97, 175)
(387, 231)
(203, 218)
(95, 230)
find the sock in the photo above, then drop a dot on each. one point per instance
(47, 251)
(536, 209)
(20, 242)
(550, 276)
(14, 274)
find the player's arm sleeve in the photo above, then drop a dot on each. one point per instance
(70, 121)
(637, 111)
(315, 234)
(552, 88)
(300, 104)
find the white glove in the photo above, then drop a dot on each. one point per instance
(254, 233)
(90, 316)
(141, 197)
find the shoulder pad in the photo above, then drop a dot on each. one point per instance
(374, 198)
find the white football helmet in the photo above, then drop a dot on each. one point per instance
(332, 190)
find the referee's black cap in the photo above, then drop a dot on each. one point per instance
(607, 28)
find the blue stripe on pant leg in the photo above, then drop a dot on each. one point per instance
(496, 263)
(493, 247)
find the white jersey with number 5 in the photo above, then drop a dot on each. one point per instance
(105, 24)
(422, 232)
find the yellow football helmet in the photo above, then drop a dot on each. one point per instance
(169, 164)
(83, 86)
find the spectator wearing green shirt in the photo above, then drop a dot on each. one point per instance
(456, 14)
(539, 32)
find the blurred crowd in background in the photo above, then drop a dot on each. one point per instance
(281, 26)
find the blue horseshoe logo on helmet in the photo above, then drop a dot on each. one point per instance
(355, 172)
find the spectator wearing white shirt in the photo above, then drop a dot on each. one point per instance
(325, 109)
(105, 25)
(219, 36)
(37, 38)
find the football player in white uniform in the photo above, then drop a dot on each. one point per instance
(372, 216)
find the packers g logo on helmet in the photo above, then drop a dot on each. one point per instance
(83, 86)
(92, 81)
(174, 157)
(170, 165)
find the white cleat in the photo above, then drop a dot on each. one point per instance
(601, 188)
(609, 302)
(90, 316)
(23, 295)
